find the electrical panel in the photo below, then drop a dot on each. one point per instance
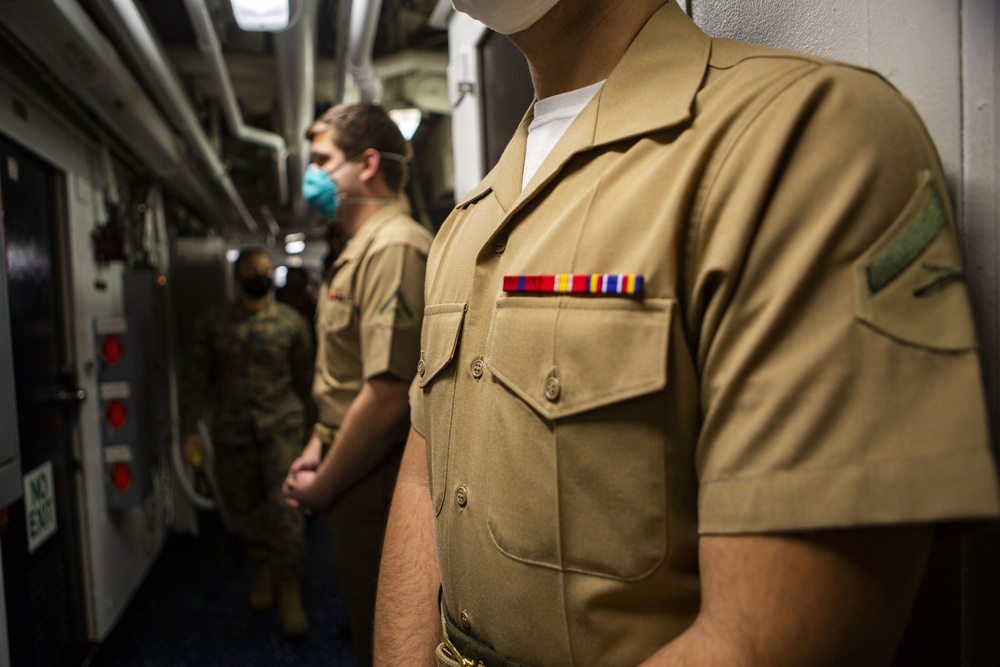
(124, 433)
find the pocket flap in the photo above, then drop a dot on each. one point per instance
(564, 359)
(439, 338)
(337, 316)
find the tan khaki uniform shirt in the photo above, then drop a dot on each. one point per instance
(369, 313)
(801, 356)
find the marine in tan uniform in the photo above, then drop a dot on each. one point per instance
(697, 391)
(249, 367)
(368, 326)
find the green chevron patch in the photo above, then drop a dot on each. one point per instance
(908, 246)
(394, 311)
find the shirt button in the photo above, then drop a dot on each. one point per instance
(462, 496)
(464, 618)
(500, 244)
(477, 368)
(421, 369)
(552, 387)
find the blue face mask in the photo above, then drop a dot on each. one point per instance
(320, 191)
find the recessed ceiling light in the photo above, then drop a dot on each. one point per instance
(261, 15)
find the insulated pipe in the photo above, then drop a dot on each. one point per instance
(343, 44)
(63, 37)
(166, 87)
(208, 43)
(364, 25)
(295, 52)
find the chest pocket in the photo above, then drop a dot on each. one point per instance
(442, 326)
(337, 315)
(340, 307)
(578, 433)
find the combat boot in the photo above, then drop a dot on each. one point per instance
(262, 591)
(293, 617)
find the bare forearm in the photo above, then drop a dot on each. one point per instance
(407, 624)
(310, 457)
(821, 598)
(359, 444)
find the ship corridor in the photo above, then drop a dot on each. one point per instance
(129, 175)
(191, 611)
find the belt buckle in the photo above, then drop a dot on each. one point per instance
(450, 651)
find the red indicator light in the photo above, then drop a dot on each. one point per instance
(111, 348)
(121, 477)
(117, 414)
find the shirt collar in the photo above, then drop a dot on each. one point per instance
(357, 243)
(644, 93)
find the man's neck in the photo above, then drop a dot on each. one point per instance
(252, 303)
(579, 42)
(353, 214)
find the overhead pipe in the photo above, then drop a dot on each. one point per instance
(361, 42)
(343, 44)
(126, 20)
(295, 53)
(62, 36)
(208, 44)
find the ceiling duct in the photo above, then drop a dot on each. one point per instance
(160, 77)
(208, 43)
(295, 50)
(361, 41)
(62, 36)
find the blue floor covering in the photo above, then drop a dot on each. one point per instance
(191, 611)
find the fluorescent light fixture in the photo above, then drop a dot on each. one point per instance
(232, 255)
(407, 120)
(280, 276)
(295, 243)
(261, 15)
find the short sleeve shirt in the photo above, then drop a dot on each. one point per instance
(369, 311)
(729, 301)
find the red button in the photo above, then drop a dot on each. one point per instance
(121, 477)
(112, 350)
(117, 414)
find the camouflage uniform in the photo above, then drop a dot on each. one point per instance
(254, 369)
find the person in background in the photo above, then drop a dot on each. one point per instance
(249, 369)
(698, 375)
(299, 292)
(368, 327)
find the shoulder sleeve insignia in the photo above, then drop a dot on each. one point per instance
(905, 248)
(394, 311)
(910, 283)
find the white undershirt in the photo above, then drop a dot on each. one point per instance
(553, 116)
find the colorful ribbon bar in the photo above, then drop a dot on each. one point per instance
(575, 283)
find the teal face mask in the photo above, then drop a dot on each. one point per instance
(320, 191)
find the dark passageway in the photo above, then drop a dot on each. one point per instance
(192, 612)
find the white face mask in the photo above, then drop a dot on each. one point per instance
(505, 16)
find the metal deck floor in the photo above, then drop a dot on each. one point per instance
(191, 611)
